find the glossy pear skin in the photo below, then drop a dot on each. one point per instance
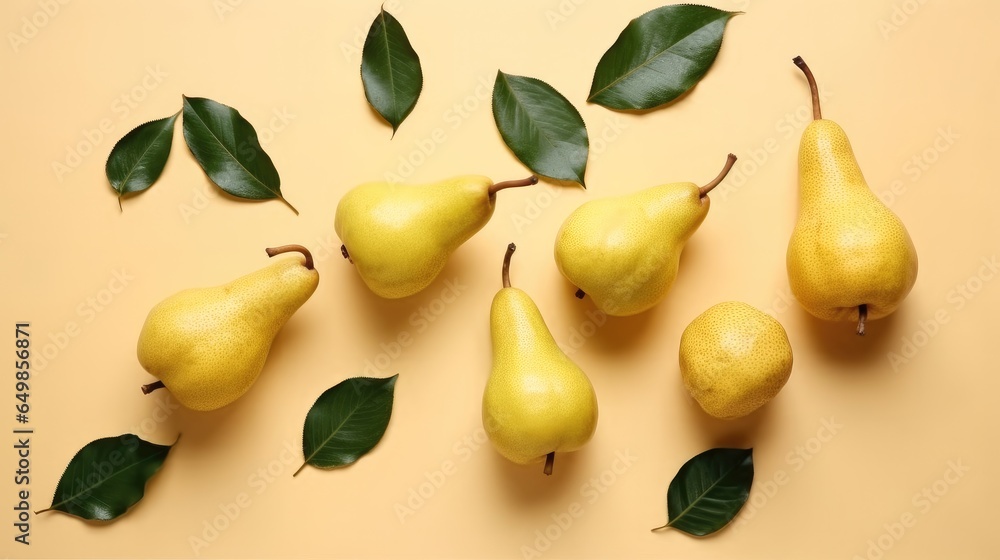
(208, 345)
(623, 251)
(847, 249)
(400, 236)
(537, 401)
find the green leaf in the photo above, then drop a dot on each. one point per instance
(659, 56)
(709, 490)
(107, 477)
(390, 70)
(346, 421)
(138, 158)
(541, 127)
(226, 147)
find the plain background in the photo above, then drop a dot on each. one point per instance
(843, 455)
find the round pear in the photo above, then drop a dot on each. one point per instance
(734, 358)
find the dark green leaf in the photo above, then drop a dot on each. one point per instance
(709, 490)
(659, 56)
(138, 158)
(226, 146)
(541, 127)
(390, 70)
(346, 421)
(107, 477)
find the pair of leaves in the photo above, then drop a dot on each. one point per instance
(540, 126)
(347, 421)
(658, 57)
(107, 477)
(709, 490)
(221, 140)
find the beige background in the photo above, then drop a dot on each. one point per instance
(842, 455)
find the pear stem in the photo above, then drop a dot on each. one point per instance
(862, 317)
(343, 251)
(505, 272)
(549, 459)
(147, 389)
(730, 162)
(817, 113)
(272, 251)
(515, 183)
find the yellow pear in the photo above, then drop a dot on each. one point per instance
(734, 358)
(399, 237)
(537, 401)
(208, 345)
(850, 258)
(624, 251)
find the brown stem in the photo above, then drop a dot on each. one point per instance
(272, 251)
(549, 459)
(505, 272)
(580, 294)
(343, 251)
(730, 162)
(147, 389)
(515, 183)
(817, 113)
(862, 317)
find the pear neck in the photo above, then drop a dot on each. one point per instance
(518, 331)
(827, 165)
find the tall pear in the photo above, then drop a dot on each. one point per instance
(537, 401)
(624, 251)
(208, 345)
(399, 237)
(850, 257)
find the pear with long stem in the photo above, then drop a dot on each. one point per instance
(850, 258)
(537, 402)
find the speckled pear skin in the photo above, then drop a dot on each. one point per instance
(847, 248)
(400, 236)
(734, 358)
(208, 345)
(536, 401)
(624, 251)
